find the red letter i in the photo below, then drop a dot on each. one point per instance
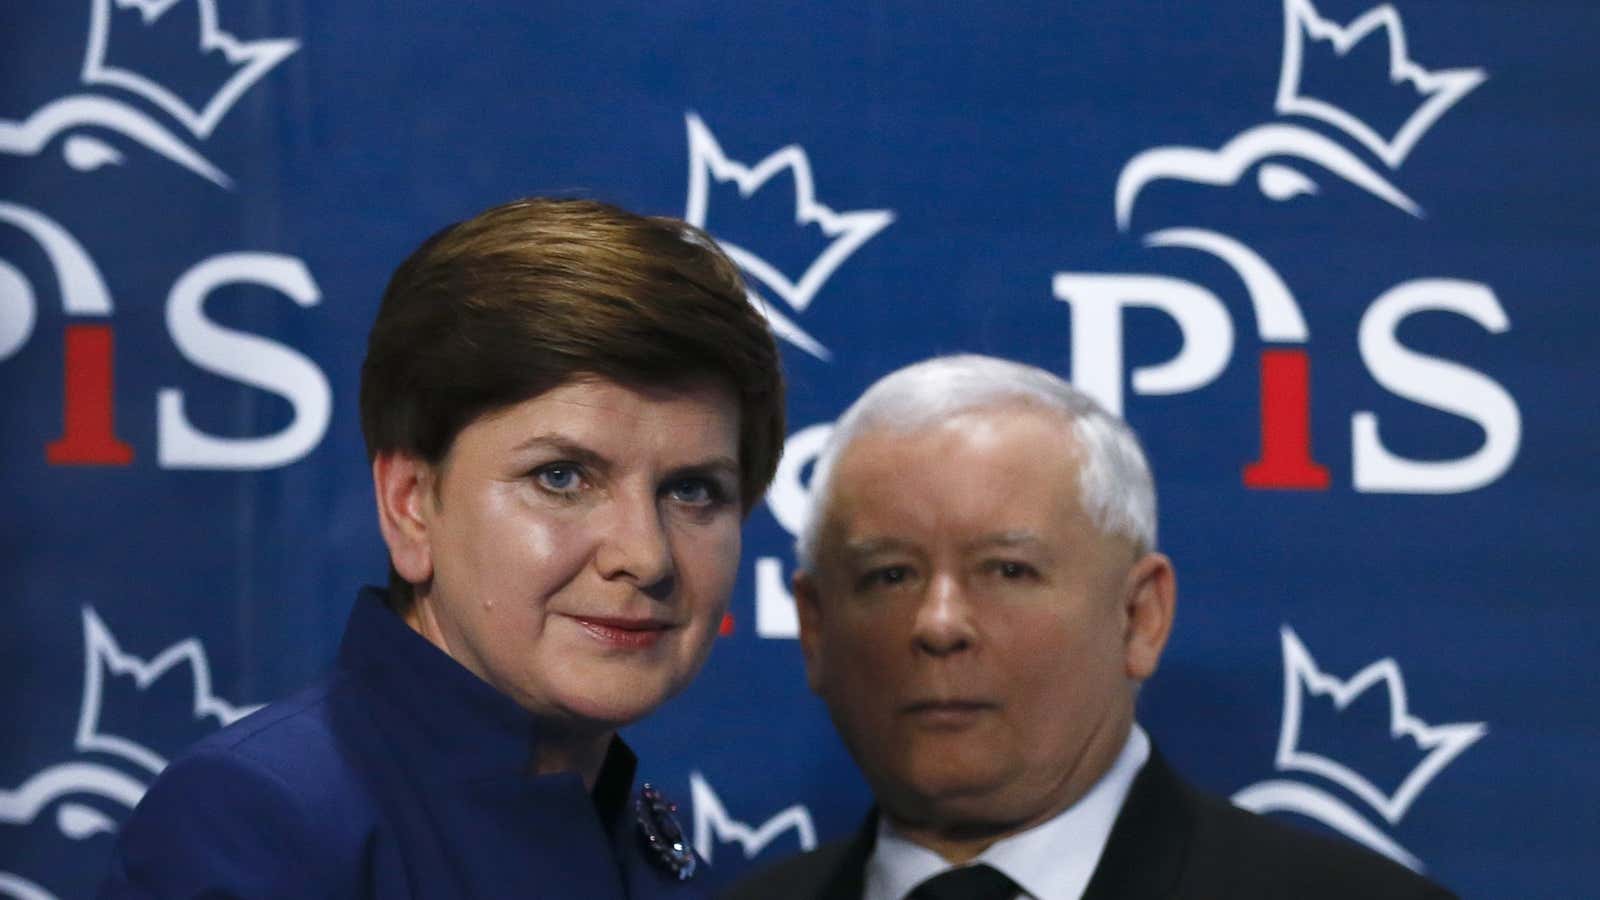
(88, 418)
(1286, 425)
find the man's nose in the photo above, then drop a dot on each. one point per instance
(944, 618)
(633, 547)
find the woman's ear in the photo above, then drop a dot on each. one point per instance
(404, 488)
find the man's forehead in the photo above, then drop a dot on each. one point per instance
(874, 545)
(988, 478)
(1002, 439)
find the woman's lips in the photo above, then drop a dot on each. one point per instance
(622, 632)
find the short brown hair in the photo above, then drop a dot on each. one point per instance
(528, 295)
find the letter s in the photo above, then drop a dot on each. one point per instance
(1436, 383)
(790, 503)
(246, 358)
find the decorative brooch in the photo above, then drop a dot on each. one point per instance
(662, 835)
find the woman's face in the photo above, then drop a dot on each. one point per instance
(581, 546)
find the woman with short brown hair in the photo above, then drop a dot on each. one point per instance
(569, 409)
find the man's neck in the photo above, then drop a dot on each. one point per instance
(961, 840)
(1054, 858)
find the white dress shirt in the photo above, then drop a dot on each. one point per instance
(1053, 860)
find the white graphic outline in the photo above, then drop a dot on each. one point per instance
(29, 137)
(849, 230)
(102, 654)
(1278, 317)
(83, 289)
(63, 780)
(86, 152)
(1442, 89)
(1302, 676)
(1222, 167)
(1444, 742)
(253, 59)
(21, 806)
(20, 888)
(1292, 796)
(712, 823)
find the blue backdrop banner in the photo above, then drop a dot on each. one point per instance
(1336, 262)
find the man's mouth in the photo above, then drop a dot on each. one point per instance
(948, 713)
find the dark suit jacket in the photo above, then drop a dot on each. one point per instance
(400, 775)
(1170, 842)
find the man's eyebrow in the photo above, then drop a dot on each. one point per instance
(1008, 540)
(874, 546)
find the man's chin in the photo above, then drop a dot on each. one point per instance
(958, 799)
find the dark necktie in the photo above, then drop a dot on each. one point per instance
(979, 882)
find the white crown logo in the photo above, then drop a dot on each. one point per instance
(712, 824)
(65, 786)
(102, 657)
(1439, 745)
(1443, 743)
(848, 230)
(247, 61)
(1437, 91)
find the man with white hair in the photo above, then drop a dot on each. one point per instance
(980, 597)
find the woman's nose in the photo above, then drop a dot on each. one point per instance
(634, 547)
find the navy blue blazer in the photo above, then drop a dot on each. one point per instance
(401, 774)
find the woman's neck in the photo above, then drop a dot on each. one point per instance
(585, 755)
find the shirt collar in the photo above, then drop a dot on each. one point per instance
(1053, 860)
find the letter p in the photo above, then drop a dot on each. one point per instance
(1097, 302)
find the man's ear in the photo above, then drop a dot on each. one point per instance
(809, 610)
(1150, 594)
(404, 488)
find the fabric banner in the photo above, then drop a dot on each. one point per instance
(1330, 259)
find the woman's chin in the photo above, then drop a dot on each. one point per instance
(624, 705)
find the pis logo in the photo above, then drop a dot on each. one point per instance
(133, 712)
(134, 107)
(1290, 161)
(1416, 752)
(792, 275)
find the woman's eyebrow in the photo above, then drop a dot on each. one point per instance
(715, 465)
(563, 447)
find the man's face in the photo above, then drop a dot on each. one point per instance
(968, 625)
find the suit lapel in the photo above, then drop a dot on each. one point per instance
(848, 877)
(1144, 859)
(1148, 850)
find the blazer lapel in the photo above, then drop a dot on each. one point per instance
(1148, 850)
(848, 877)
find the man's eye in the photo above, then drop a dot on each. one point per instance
(695, 491)
(885, 576)
(1011, 570)
(560, 478)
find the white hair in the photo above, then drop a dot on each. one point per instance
(1114, 482)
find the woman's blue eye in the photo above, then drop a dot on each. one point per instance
(559, 477)
(694, 491)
